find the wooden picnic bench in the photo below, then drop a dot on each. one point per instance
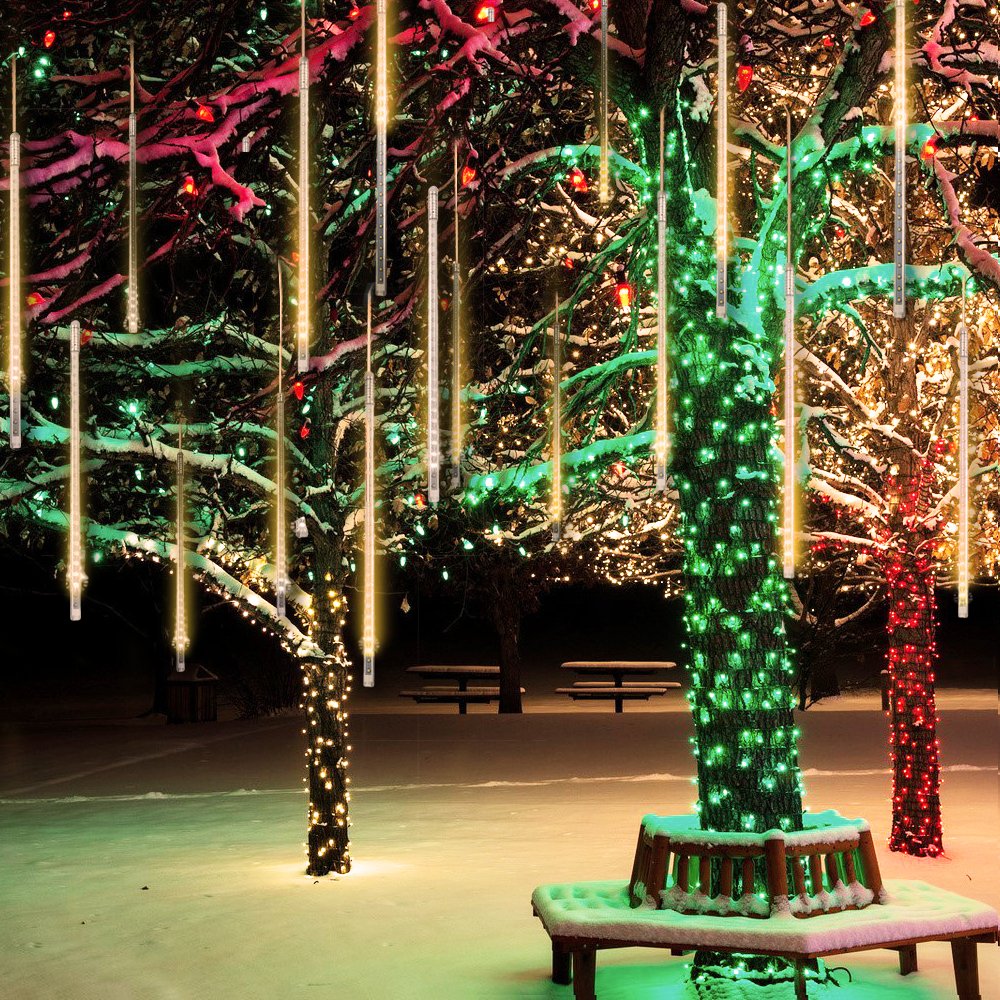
(694, 890)
(618, 689)
(458, 692)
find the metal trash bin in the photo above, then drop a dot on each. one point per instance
(191, 696)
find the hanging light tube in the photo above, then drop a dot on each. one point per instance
(662, 449)
(604, 176)
(132, 295)
(433, 354)
(181, 639)
(280, 527)
(788, 495)
(303, 293)
(456, 340)
(963, 464)
(381, 126)
(368, 611)
(722, 167)
(899, 207)
(555, 502)
(14, 369)
(74, 568)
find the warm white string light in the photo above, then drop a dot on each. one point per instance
(303, 293)
(381, 126)
(899, 211)
(132, 295)
(456, 340)
(181, 639)
(433, 352)
(722, 168)
(74, 568)
(280, 527)
(662, 449)
(555, 501)
(14, 371)
(368, 611)
(788, 533)
(963, 464)
(604, 177)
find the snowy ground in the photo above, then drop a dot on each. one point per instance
(155, 862)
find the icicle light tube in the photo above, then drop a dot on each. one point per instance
(788, 524)
(74, 568)
(280, 528)
(381, 125)
(303, 294)
(722, 168)
(662, 448)
(433, 354)
(132, 295)
(368, 612)
(180, 610)
(14, 370)
(963, 464)
(604, 177)
(899, 206)
(456, 343)
(555, 501)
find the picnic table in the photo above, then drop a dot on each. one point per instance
(457, 691)
(618, 688)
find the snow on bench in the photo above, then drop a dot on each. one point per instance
(583, 917)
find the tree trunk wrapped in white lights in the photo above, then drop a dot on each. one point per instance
(74, 567)
(433, 354)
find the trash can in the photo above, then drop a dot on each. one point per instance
(191, 696)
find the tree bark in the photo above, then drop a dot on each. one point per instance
(506, 612)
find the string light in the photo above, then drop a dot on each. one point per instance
(381, 126)
(433, 345)
(788, 533)
(604, 181)
(303, 293)
(14, 371)
(722, 167)
(74, 568)
(662, 446)
(963, 462)
(368, 627)
(132, 293)
(280, 475)
(181, 640)
(899, 203)
(456, 339)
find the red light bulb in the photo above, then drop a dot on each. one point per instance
(468, 175)
(49, 39)
(298, 389)
(867, 18)
(578, 180)
(623, 292)
(744, 76)
(205, 113)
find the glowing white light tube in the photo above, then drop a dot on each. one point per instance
(604, 176)
(303, 293)
(14, 369)
(280, 527)
(368, 626)
(722, 168)
(181, 639)
(899, 208)
(433, 354)
(132, 295)
(455, 440)
(788, 496)
(662, 449)
(381, 125)
(74, 568)
(963, 465)
(555, 501)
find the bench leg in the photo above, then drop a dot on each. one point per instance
(907, 959)
(619, 705)
(677, 951)
(966, 962)
(562, 965)
(800, 982)
(584, 974)
(462, 708)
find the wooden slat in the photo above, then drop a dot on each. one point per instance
(726, 878)
(798, 877)
(682, 873)
(747, 879)
(705, 875)
(832, 871)
(816, 873)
